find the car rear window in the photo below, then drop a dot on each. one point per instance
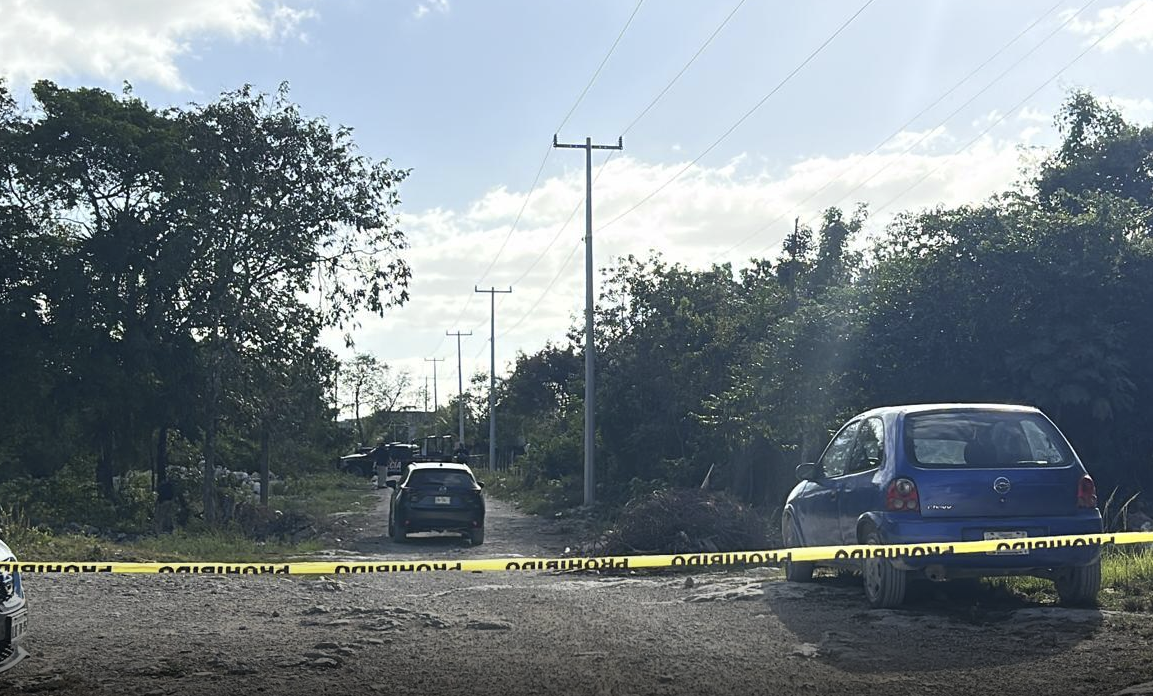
(449, 478)
(983, 439)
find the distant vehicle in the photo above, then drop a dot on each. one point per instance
(397, 456)
(948, 472)
(437, 497)
(13, 614)
(367, 461)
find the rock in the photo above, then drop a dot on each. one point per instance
(327, 662)
(435, 622)
(805, 650)
(480, 625)
(318, 609)
(327, 645)
(689, 583)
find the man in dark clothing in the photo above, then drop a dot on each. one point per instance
(460, 454)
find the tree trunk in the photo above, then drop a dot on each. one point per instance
(162, 456)
(356, 408)
(209, 488)
(104, 469)
(265, 446)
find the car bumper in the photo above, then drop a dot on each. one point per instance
(907, 529)
(434, 520)
(11, 653)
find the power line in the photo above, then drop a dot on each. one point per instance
(599, 68)
(1018, 105)
(611, 154)
(900, 129)
(963, 106)
(744, 117)
(682, 70)
(544, 161)
(563, 267)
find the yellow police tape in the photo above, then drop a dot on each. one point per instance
(732, 558)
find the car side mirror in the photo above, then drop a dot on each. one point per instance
(391, 483)
(480, 483)
(808, 472)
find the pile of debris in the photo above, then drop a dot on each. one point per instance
(682, 521)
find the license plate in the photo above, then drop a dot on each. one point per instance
(442, 500)
(1007, 536)
(17, 626)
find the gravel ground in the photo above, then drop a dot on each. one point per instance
(511, 634)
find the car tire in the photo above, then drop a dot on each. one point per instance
(397, 532)
(795, 571)
(1079, 586)
(476, 536)
(884, 585)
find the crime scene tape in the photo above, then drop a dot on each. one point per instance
(732, 558)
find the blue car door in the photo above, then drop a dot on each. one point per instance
(820, 521)
(859, 490)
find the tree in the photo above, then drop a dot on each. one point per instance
(373, 388)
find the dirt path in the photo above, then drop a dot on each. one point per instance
(511, 634)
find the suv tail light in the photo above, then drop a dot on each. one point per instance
(1086, 492)
(901, 496)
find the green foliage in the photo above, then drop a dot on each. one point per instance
(152, 270)
(1039, 296)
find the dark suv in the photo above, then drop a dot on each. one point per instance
(437, 497)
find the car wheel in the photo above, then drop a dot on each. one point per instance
(884, 584)
(1079, 586)
(476, 536)
(397, 531)
(799, 571)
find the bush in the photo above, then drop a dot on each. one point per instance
(683, 520)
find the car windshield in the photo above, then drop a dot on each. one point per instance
(449, 478)
(981, 439)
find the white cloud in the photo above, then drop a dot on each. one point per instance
(696, 220)
(427, 7)
(1136, 29)
(129, 39)
(1138, 111)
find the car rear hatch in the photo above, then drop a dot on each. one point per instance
(443, 490)
(989, 463)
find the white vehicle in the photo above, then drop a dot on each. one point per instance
(13, 612)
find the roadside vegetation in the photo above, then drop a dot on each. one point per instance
(1039, 296)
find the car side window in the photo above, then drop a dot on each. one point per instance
(869, 452)
(836, 456)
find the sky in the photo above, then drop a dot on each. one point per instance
(737, 118)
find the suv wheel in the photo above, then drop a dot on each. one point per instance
(476, 536)
(884, 584)
(800, 571)
(1079, 586)
(396, 531)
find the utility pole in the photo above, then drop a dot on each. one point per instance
(435, 401)
(459, 379)
(590, 346)
(492, 293)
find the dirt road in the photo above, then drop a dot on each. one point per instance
(738, 632)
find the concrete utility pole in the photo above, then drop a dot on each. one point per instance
(459, 379)
(492, 293)
(435, 402)
(590, 346)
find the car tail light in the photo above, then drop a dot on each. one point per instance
(901, 496)
(1086, 492)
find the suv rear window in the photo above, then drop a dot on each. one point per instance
(983, 439)
(449, 478)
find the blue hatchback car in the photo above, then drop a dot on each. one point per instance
(942, 473)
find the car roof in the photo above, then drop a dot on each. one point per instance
(416, 466)
(955, 406)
